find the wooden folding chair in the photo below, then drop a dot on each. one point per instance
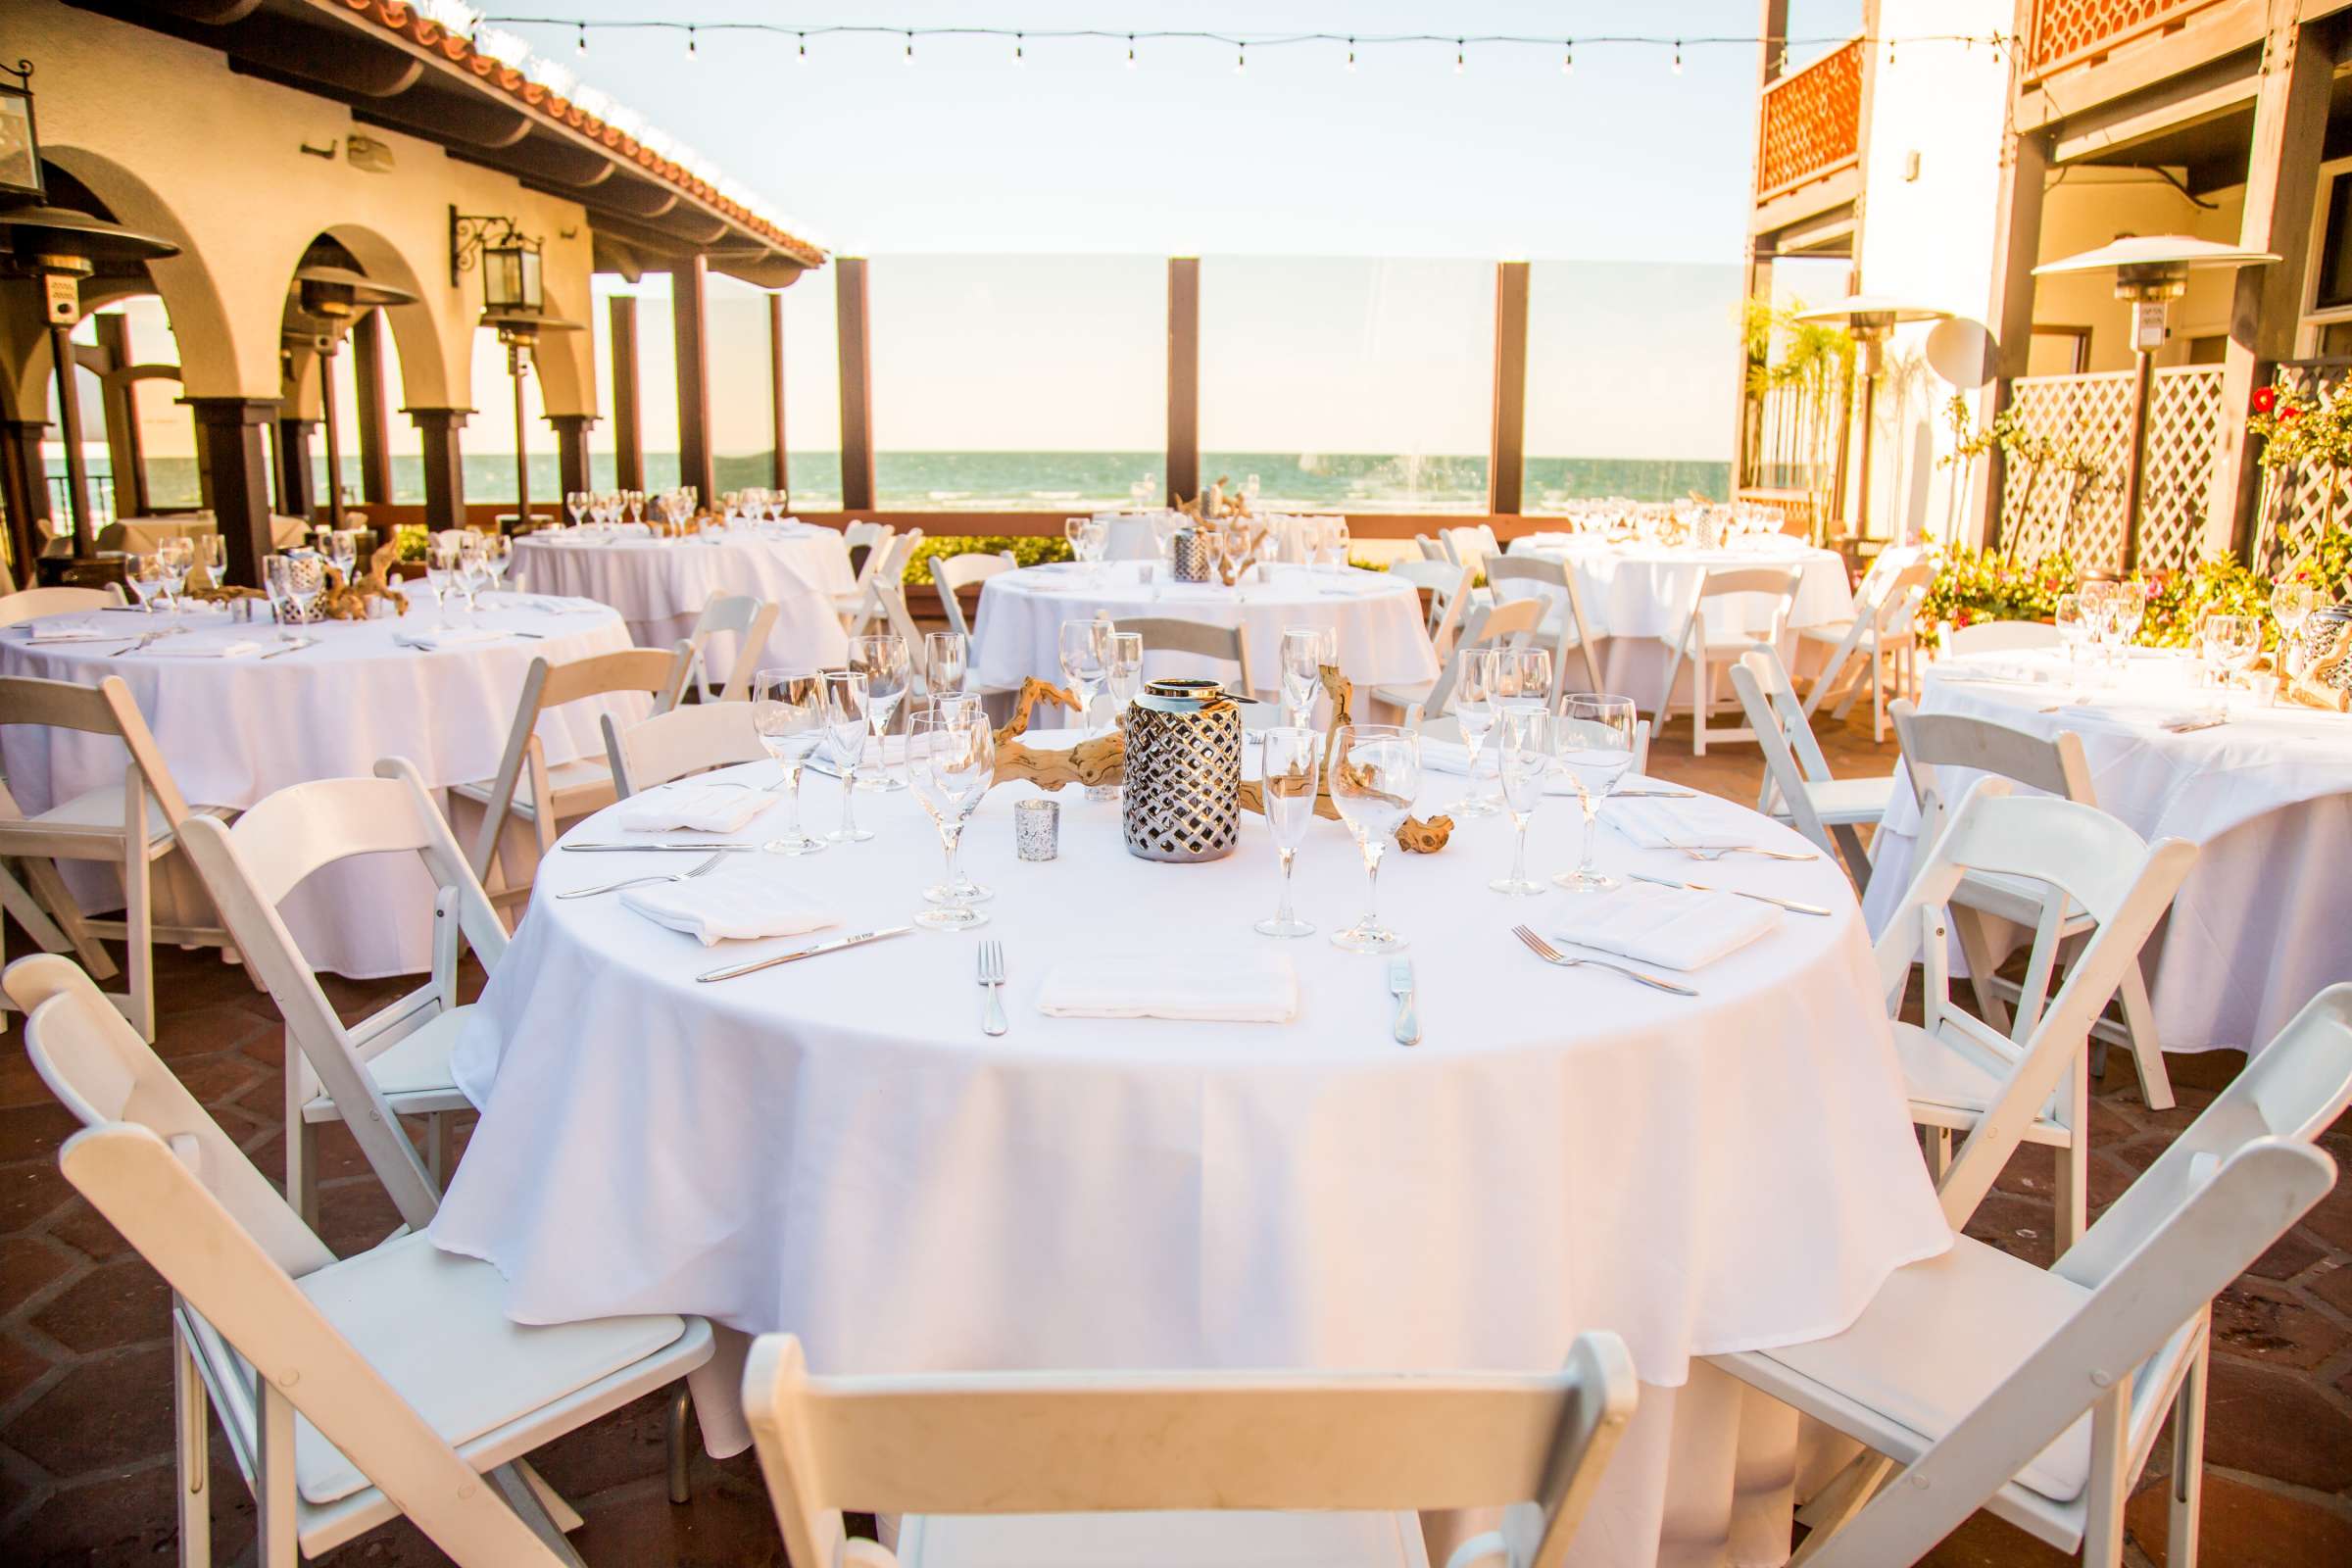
(1511, 625)
(1708, 651)
(952, 573)
(1224, 644)
(1554, 585)
(750, 619)
(678, 744)
(881, 584)
(1883, 633)
(1799, 787)
(32, 604)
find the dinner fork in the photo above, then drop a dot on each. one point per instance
(991, 975)
(712, 865)
(1699, 852)
(1551, 955)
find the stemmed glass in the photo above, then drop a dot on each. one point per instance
(2072, 619)
(440, 566)
(1086, 664)
(2125, 611)
(1375, 773)
(147, 579)
(469, 572)
(789, 714)
(1294, 765)
(952, 760)
(212, 554)
(343, 552)
(945, 657)
(1122, 679)
(1474, 712)
(1519, 677)
(274, 585)
(1073, 534)
(844, 743)
(1593, 741)
(881, 657)
(1522, 741)
(575, 502)
(498, 554)
(177, 558)
(1306, 650)
(2228, 643)
(2292, 605)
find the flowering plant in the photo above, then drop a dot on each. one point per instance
(2299, 426)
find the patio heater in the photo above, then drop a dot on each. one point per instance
(330, 299)
(513, 305)
(519, 331)
(2151, 271)
(1870, 320)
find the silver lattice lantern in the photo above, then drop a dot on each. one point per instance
(1183, 797)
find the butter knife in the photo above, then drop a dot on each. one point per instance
(1791, 905)
(622, 848)
(834, 945)
(1400, 986)
(1654, 795)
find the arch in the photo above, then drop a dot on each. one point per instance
(418, 334)
(565, 383)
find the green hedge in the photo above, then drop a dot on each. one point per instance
(1031, 550)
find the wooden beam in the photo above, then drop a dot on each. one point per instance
(118, 396)
(2009, 306)
(628, 429)
(780, 456)
(2282, 178)
(1184, 378)
(2201, 36)
(24, 493)
(1506, 443)
(690, 332)
(235, 477)
(2206, 93)
(1832, 191)
(374, 408)
(294, 466)
(571, 452)
(444, 465)
(855, 335)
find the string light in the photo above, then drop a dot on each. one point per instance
(690, 43)
(911, 49)
(583, 40)
(1020, 54)
(1678, 57)
(1568, 60)
(1352, 56)
(803, 56)
(1240, 62)
(1457, 57)
(1131, 51)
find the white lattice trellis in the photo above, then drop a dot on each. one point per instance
(2074, 500)
(2297, 500)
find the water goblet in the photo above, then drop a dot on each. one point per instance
(1292, 770)
(947, 655)
(178, 559)
(882, 658)
(2228, 643)
(843, 744)
(952, 761)
(1594, 743)
(2292, 605)
(1085, 649)
(1375, 773)
(1523, 743)
(1306, 650)
(1474, 712)
(212, 555)
(343, 552)
(789, 715)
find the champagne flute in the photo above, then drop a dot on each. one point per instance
(1085, 648)
(845, 741)
(1523, 742)
(1293, 767)
(952, 762)
(1306, 650)
(882, 658)
(1594, 742)
(788, 714)
(1375, 773)
(1474, 710)
(1122, 679)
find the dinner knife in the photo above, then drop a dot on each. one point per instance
(1652, 795)
(834, 945)
(1791, 905)
(1407, 1029)
(616, 849)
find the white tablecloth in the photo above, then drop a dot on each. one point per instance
(233, 731)
(1635, 595)
(1382, 639)
(1130, 537)
(660, 585)
(834, 1148)
(2265, 919)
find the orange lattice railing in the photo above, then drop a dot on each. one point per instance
(2068, 31)
(1812, 121)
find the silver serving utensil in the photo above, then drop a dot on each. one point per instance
(1719, 851)
(1551, 955)
(1654, 795)
(712, 865)
(147, 637)
(1791, 905)
(834, 945)
(991, 975)
(294, 647)
(626, 849)
(1407, 1028)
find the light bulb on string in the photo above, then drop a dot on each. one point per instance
(1678, 57)
(1457, 57)
(802, 57)
(909, 57)
(1241, 61)
(690, 50)
(1020, 52)
(1131, 51)
(1352, 56)
(1568, 60)
(581, 46)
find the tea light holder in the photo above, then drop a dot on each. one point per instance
(1037, 829)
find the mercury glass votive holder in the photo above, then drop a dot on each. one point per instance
(1037, 829)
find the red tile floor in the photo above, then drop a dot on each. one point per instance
(85, 1398)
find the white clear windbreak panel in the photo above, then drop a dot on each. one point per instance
(812, 391)
(656, 386)
(1348, 384)
(741, 403)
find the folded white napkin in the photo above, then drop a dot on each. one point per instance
(1453, 756)
(741, 899)
(1227, 986)
(1996, 671)
(76, 634)
(699, 809)
(242, 648)
(1670, 927)
(1703, 823)
(449, 637)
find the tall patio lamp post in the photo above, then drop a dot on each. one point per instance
(330, 299)
(519, 332)
(513, 305)
(2151, 271)
(61, 247)
(1870, 320)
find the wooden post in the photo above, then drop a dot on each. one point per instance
(68, 429)
(294, 466)
(1183, 377)
(235, 475)
(119, 398)
(856, 347)
(444, 465)
(629, 430)
(1772, 32)
(1507, 445)
(779, 455)
(689, 330)
(2135, 462)
(25, 491)
(571, 451)
(374, 409)
(2282, 180)
(2009, 309)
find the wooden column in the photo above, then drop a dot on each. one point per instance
(444, 465)
(2282, 180)
(234, 472)
(1772, 32)
(571, 451)
(2009, 306)
(779, 456)
(1506, 445)
(690, 331)
(294, 465)
(855, 338)
(374, 408)
(25, 492)
(125, 453)
(628, 429)
(1183, 377)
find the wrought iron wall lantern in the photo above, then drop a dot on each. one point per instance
(19, 146)
(507, 258)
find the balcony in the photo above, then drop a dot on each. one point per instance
(1811, 125)
(2072, 32)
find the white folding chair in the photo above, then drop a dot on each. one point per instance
(1552, 584)
(2055, 765)
(1470, 545)
(543, 798)
(881, 584)
(1708, 650)
(951, 573)
(350, 1391)
(395, 1061)
(1799, 787)
(750, 619)
(1512, 625)
(1430, 550)
(130, 826)
(1447, 586)
(1883, 633)
(1962, 1074)
(681, 742)
(867, 543)
(1999, 637)
(993, 1467)
(30, 604)
(1223, 645)
(2040, 1394)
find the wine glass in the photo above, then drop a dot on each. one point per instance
(1375, 773)
(212, 554)
(952, 759)
(1519, 677)
(177, 558)
(788, 714)
(2073, 618)
(343, 552)
(882, 658)
(1086, 663)
(440, 572)
(2292, 605)
(1523, 742)
(2125, 611)
(843, 744)
(1122, 679)
(2228, 643)
(468, 574)
(1074, 531)
(1474, 713)
(1594, 743)
(273, 586)
(575, 502)
(947, 655)
(1306, 650)
(498, 554)
(1292, 769)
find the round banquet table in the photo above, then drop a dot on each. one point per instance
(233, 731)
(1382, 639)
(833, 1148)
(660, 585)
(2264, 920)
(1636, 594)
(1130, 537)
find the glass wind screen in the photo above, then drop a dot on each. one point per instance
(813, 392)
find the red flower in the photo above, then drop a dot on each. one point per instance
(2289, 411)
(2266, 398)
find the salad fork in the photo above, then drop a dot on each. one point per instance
(1718, 852)
(712, 865)
(991, 975)
(1551, 955)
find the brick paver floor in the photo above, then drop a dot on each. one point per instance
(85, 1398)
